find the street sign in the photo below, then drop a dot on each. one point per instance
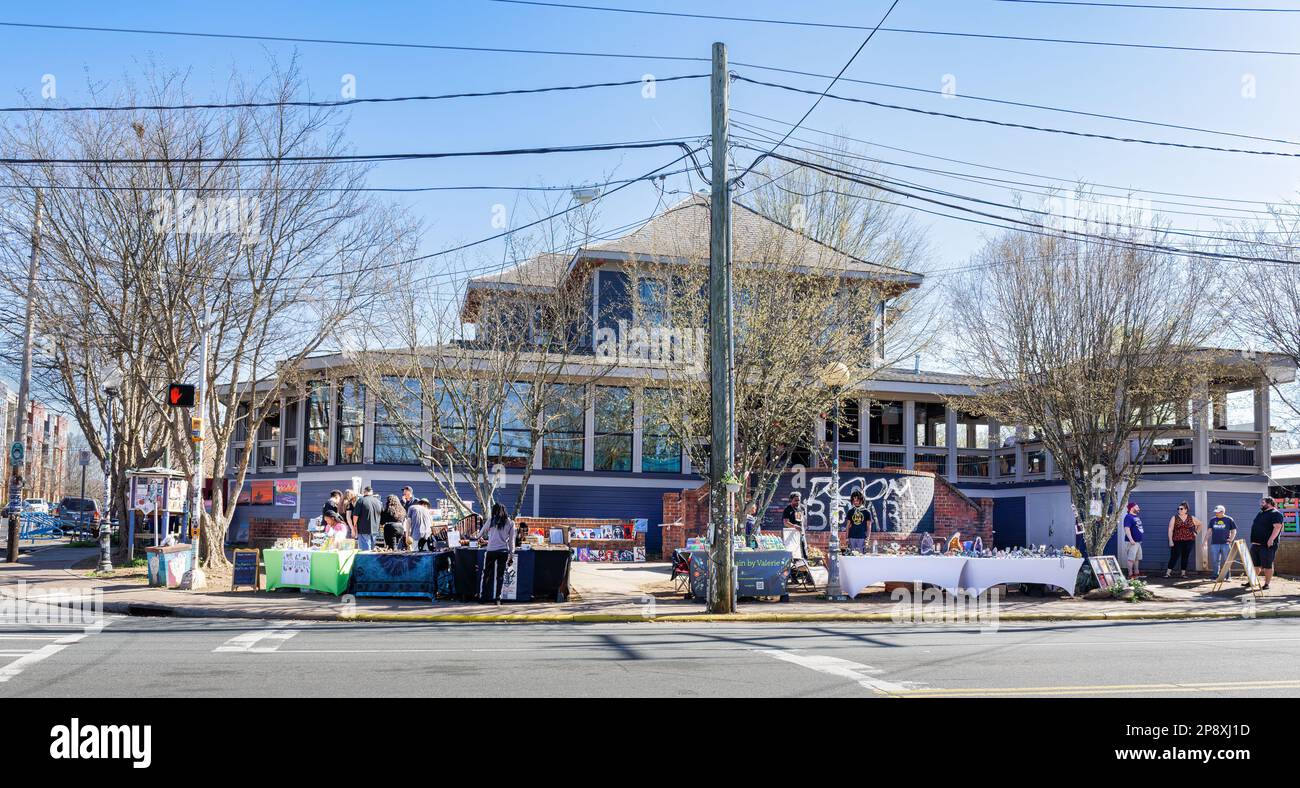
(17, 452)
(83, 458)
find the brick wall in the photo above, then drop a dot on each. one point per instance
(264, 531)
(686, 514)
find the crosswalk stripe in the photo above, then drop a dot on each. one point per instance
(248, 641)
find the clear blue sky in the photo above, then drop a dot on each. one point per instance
(1200, 89)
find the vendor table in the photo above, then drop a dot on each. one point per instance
(537, 574)
(859, 571)
(397, 574)
(758, 573)
(980, 574)
(951, 573)
(326, 571)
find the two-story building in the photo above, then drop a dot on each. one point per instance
(618, 462)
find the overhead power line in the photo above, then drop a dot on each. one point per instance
(908, 30)
(1039, 228)
(834, 79)
(347, 102)
(1157, 6)
(360, 157)
(1025, 126)
(994, 168)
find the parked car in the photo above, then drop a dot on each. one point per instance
(78, 508)
(36, 506)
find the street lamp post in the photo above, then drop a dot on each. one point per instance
(106, 526)
(836, 377)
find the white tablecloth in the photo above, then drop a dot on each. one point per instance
(983, 573)
(859, 571)
(973, 575)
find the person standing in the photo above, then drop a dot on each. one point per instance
(393, 520)
(499, 538)
(365, 518)
(859, 519)
(751, 525)
(419, 522)
(1133, 539)
(1182, 539)
(408, 497)
(349, 512)
(1264, 533)
(793, 516)
(1223, 532)
(334, 504)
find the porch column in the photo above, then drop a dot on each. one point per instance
(588, 429)
(332, 412)
(864, 429)
(1264, 452)
(1201, 406)
(638, 395)
(950, 439)
(909, 434)
(995, 443)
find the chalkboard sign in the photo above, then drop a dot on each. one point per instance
(245, 573)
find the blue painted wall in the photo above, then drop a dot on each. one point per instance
(1009, 522)
(563, 500)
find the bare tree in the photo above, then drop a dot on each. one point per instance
(803, 302)
(215, 224)
(1090, 342)
(478, 384)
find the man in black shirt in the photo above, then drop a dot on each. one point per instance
(858, 517)
(1264, 533)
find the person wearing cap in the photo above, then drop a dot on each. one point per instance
(1223, 532)
(793, 516)
(1133, 539)
(1264, 533)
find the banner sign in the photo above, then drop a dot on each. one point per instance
(759, 573)
(295, 569)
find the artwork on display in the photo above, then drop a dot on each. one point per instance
(245, 496)
(263, 493)
(295, 568)
(286, 492)
(1106, 569)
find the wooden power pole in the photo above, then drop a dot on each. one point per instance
(21, 425)
(722, 584)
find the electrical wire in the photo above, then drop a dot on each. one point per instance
(835, 79)
(1156, 7)
(356, 158)
(1025, 126)
(348, 102)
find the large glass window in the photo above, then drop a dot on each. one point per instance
(268, 437)
(350, 438)
(613, 449)
(652, 302)
(565, 416)
(886, 422)
(660, 451)
(514, 448)
(931, 424)
(396, 427)
(241, 422)
(318, 423)
(290, 426)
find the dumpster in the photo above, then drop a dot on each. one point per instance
(168, 565)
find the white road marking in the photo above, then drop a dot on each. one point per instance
(31, 658)
(855, 671)
(248, 642)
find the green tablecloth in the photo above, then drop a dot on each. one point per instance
(330, 570)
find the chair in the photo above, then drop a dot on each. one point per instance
(801, 575)
(681, 572)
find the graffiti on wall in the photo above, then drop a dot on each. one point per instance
(899, 503)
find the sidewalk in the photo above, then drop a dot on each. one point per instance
(612, 593)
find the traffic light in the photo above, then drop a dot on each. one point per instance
(180, 395)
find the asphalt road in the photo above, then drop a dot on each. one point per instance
(146, 657)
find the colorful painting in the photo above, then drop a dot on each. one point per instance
(245, 495)
(286, 492)
(263, 493)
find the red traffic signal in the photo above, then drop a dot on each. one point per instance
(180, 395)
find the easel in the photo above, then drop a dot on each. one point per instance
(242, 560)
(1238, 552)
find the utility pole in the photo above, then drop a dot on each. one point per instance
(722, 584)
(24, 390)
(198, 428)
